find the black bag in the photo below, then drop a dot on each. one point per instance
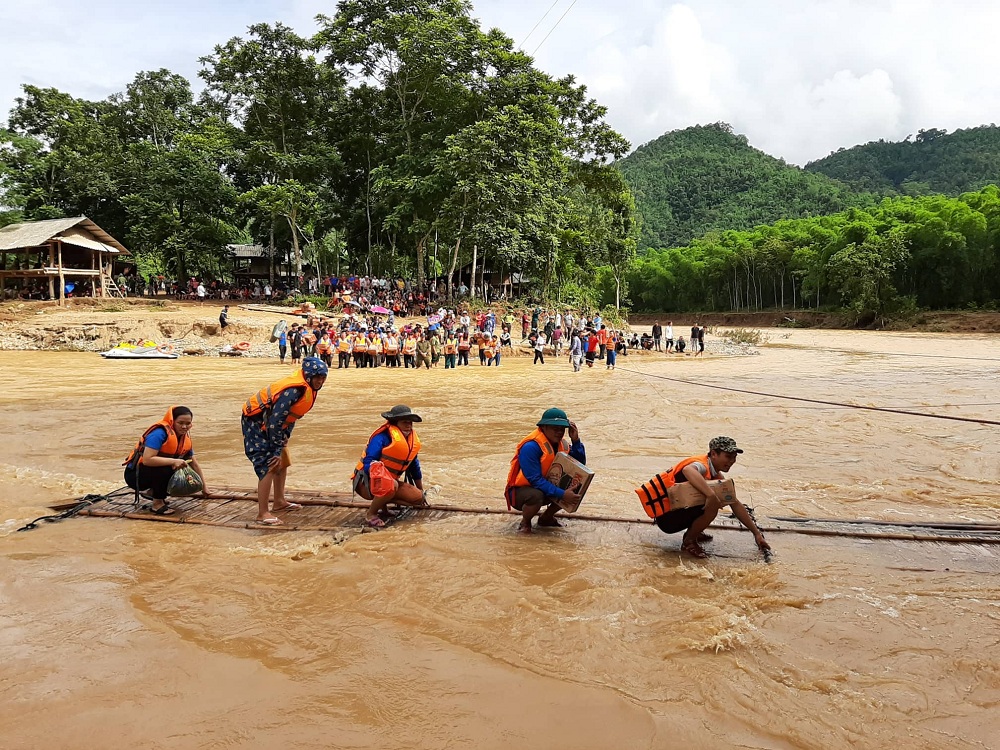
(185, 481)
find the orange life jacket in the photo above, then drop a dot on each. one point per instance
(464, 345)
(360, 344)
(653, 494)
(399, 454)
(344, 345)
(516, 478)
(173, 446)
(450, 346)
(325, 346)
(263, 400)
(392, 346)
(410, 346)
(489, 351)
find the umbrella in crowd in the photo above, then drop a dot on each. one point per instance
(380, 310)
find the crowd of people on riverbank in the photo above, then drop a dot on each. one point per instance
(454, 338)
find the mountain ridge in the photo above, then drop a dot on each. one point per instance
(706, 178)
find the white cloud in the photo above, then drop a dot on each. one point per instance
(800, 79)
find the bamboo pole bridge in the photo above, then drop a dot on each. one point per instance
(333, 511)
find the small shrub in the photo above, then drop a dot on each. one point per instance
(752, 336)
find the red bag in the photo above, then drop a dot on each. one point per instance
(382, 482)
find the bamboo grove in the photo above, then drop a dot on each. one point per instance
(903, 253)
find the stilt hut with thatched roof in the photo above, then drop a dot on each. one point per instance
(73, 250)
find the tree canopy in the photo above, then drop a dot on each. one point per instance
(395, 123)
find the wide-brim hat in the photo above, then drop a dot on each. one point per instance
(553, 418)
(401, 411)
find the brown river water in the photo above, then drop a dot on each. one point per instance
(460, 633)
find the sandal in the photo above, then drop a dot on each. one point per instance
(163, 510)
(269, 521)
(286, 506)
(691, 547)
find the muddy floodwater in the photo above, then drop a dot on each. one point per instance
(460, 633)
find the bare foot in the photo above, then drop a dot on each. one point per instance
(549, 522)
(524, 528)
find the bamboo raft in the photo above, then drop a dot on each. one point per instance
(333, 511)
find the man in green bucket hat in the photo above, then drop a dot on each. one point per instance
(527, 488)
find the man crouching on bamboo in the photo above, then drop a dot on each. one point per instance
(673, 509)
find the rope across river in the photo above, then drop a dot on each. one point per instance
(824, 402)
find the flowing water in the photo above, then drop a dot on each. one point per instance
(461, 633)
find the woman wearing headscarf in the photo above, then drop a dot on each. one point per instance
(163, 449)
(269, 417)
(395, 445)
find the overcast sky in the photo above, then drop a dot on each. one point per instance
(800, 78)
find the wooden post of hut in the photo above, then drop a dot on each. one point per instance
(100, 265)
(52, 262)
(62, 278)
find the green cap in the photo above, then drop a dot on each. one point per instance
(723, 444)
(553, 418)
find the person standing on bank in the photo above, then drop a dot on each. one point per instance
(698, 470)
(269, 417)
(396, 445)
(163, 449)
(527, 489)
(224, 318)
(657, 337)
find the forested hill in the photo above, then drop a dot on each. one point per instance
(705, 178)
(932, 162)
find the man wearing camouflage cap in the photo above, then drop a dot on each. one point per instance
(698, 470)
